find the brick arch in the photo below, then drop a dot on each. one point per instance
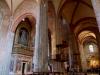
(32, 23)
(19, 19)
(84, 35)
(26, 8)
(87, 23)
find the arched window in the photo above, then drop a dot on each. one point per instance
(23, 36)
(91, 48)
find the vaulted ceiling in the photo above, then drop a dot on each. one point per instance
(74, 11)
(13, 4)
(78, 13)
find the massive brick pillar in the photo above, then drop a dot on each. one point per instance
(96, 6)
(83, 58)
(40, 59)
(6, 39)
(74, 55)
(58, 33)
(6, 42)
(70, 51)
(98, 43)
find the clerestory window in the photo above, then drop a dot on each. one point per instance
(91, 48)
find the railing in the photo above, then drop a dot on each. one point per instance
(64, 73)
(48, 73)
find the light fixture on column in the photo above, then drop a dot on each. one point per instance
(23, 19)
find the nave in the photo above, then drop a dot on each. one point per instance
(49, 37)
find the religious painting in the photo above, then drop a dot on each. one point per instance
(23, 36)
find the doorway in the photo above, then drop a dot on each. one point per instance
(23, 68)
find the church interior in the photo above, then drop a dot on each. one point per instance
(49, 37)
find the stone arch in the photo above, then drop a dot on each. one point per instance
(24, 9)
(32, 23)
(31, 28)
(87, 23)
(27, 9)
(86, 33)
(31, 18)
(85, 36)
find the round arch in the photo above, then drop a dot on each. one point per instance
(87, 23)
(85, 39)
(84, 34)
(20, 18)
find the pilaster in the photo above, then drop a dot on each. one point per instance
(40, 59)
(74, 55)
